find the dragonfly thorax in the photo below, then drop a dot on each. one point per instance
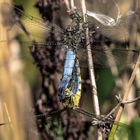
(103, 123)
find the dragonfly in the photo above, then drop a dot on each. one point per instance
(73, 41)
(69, 42)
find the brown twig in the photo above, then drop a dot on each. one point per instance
(131, 101)
(121, 102)
(90, 64)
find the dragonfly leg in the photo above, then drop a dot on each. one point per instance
(95, 121)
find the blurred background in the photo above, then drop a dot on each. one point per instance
(30, 74)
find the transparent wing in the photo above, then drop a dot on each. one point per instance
(53, 114)
(13, 14)
(121, 126)
(55, 119)
(103, 57)
(114, 30)
(107, 20)
(107, 57)
(122, 131)
(103, 19)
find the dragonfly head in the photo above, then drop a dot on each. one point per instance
(65, 97)
(68, 93)
(105, 124)
(64, 94)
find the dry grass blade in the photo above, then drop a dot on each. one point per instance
(13, 87)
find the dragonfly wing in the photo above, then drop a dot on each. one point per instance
(116, 29)
(106, 57)
(103, 19)
(33, 24)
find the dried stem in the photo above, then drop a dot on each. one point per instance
(72, 4)
(126, 93)
(90, 65)
(91, 68)
(67, 4)
(12, 83)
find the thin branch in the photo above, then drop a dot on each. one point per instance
(131, 101)
(72, 4)
(90, 64)
(121, 102)
(91, 68)
(113, 110)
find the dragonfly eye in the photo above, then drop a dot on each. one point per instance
(67, 94)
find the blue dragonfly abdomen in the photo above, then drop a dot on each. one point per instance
(67, 73)
(69, 91)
